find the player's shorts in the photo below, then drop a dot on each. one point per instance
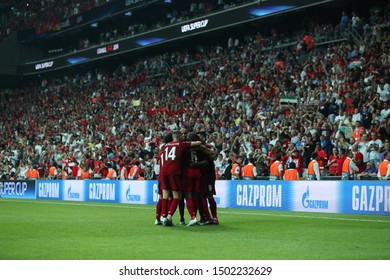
(191, 183)
(172, 182)
(160, 186)
(207, 187)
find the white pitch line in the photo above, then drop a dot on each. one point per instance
(224, 211)
(311, 217)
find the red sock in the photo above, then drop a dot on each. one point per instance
(205, 208)
(191, 208)
(173, 207)
(213, 206)
(158, 209)
(164, 207)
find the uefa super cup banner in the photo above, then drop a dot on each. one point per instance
(17, 189)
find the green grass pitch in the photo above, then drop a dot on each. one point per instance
(58, 230)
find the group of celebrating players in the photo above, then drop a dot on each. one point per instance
(187, 177)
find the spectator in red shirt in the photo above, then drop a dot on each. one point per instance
(333, 162)
(357, 158)
(322, 157)
(340, 161)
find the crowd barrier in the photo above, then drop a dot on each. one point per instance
(346, 197)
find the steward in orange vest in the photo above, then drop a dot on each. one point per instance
(85, 175)
(313, 169)
(111, 174)
(276, 168)
(84, 172)
(141, 176)
(291, 173)
(124, 174)
(358, 131)
(32, 174)
(135, 170)
(349, 167)
(384, 168)
(249, 171)
(64, 174)
(53, 173)
(236, 169)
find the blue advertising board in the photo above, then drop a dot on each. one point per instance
(17, 189)
(366, 197)
(49, 189)
(102, 190)
(137, 192)
(346, 197)
(265, 195)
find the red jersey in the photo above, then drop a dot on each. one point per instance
(96, 166)
(75, 170)
(334, 167)
(322, 157)
(340, 162)
(192, 175)
(190, 157)
(359, 156)
(298, 160)
(171, 157)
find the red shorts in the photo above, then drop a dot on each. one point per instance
(172, 182)
(160, 188)
(191, 183)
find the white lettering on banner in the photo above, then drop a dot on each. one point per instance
(49, 190)
(259, 195)
(12, 188)
(371, 198)
(132, 197)
(313, 203)
(131, 2)
(194, 25)
(108, 48)
(44, 65)
(102, 191)
(101, 50)
(73, 195)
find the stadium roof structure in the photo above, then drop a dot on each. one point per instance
(29, 53)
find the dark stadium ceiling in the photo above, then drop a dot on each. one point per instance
(6, 4)
(329, 11)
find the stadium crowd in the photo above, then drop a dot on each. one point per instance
(256, 101)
